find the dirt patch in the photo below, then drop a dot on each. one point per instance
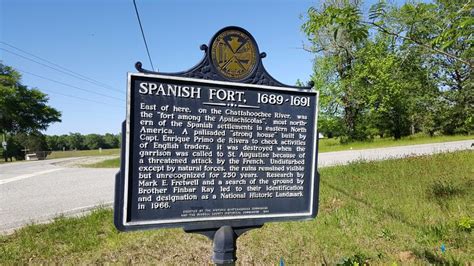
(80, 161)
(406, 256)
(332, 205)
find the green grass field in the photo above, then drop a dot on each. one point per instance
(109, 163)
(67, 154)
(325, 145)
(328, 145)
(70, 154)
(396, 211)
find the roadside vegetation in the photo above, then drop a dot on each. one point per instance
(406, 211)
(73, 153)
(79, 153)
(109, 163)
(392, 69)
(334, 144)
(60, 146)
(325, 145)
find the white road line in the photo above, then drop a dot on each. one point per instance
(10, 228)
(21, 177)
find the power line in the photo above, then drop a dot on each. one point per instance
(80, 98)
(68, 85)
(143, 35)
(61, 67)
(57, 69)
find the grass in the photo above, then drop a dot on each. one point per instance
(67, 154)
(109, 163)
(83, 153)
(325, 145)
(329, 145)
(395, 211)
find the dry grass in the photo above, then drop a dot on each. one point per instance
(67, 154)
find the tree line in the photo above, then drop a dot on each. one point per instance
(25, 113)
(77, 141)
(20, 144)
(393, 71)
(390, 71)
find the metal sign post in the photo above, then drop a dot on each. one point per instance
(218, 150)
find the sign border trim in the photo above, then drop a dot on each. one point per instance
(210, 218)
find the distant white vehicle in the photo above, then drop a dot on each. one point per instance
(320, 136)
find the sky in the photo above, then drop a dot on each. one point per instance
(100, 41)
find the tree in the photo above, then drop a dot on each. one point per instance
(414, 18)
(14, 150)
(395, 87)
(32, 142)
(80, 142)
(93, 141)
(335, 32)
(75, 141)
(400, 71)
(111, 141)
(22, 110)
(455, 76)
(63, 142)
(330, 120)
(53, 142)
(442, 31)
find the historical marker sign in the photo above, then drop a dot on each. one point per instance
(202, 153)
(209, 151)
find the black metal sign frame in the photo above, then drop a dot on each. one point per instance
(124, 184)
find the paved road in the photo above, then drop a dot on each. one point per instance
(38, 191)
(41, 190)
(344, 157)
